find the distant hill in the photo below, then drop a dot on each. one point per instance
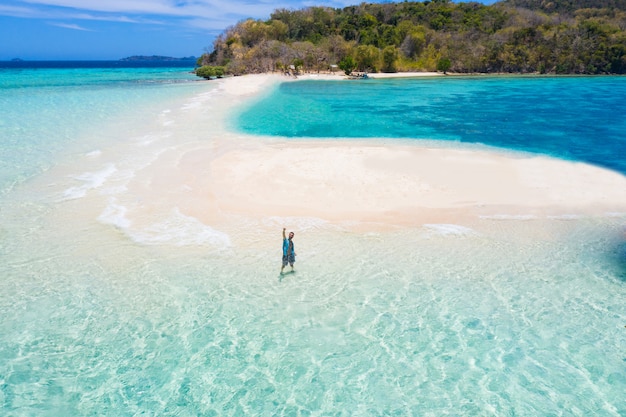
(153, 58)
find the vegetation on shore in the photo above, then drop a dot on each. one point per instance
(511, 36)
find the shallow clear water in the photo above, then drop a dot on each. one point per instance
(498, 316)
(578, 118)
(43, 111)
(418, 323)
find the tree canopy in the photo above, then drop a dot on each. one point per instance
(512, 36)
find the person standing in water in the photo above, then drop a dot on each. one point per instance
(289, 253)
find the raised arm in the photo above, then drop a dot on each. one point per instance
(284, 236)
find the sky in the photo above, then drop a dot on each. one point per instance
(115, 29)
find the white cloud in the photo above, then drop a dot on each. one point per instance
(217, 25)
(110, 6)
(16, 11)
(71, 26)
(113, 18)
(172, 8)
(195, 14)
(63, 14)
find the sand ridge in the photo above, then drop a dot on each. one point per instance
(388, 181)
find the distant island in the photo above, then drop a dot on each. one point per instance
(157, 58)
(510, 36)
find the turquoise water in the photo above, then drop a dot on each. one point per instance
(576, 118)
(497, 316)
(44, 111)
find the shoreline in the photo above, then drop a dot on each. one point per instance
(375, 75)
(375, 181)
(187, 179)
(339, 75)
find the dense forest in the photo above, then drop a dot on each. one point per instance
(512, 36)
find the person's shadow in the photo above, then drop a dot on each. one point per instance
(282, 275)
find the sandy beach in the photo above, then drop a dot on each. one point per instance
(379, 75)
(388, 182)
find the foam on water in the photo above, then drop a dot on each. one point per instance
(567, 217)
(90, 180)
(615, 214)
(179, 230)
(115, 215)
(510, 217)
(450, 229)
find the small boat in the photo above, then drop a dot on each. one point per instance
(357, 76)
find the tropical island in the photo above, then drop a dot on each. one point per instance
(510, 36)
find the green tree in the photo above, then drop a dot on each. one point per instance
(206, 71)
(557, 36)
(367, 58)
(390, 56)
(443, 65)
(219, 71)
(414, 42)
(298, 64)
(347, 65)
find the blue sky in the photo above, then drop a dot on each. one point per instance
(114, 29)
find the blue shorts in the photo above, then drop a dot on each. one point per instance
(289, 259)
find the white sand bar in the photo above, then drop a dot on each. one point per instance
(404, 183)
(198, 180)
(392, 182)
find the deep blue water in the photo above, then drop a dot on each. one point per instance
(574, 118)
(96, 64)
